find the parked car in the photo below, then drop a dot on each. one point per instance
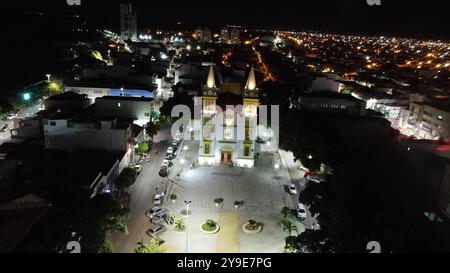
(155, 230)
(301, 211)
(11, 116)
(170, 156)
(312, 178)
(167, 163)
(4, 128)
(170, 150)
(158, 200)
(138, 168)
(302, 168)
(164, 171)
(157, 210)
(175, 143)
(292, 189)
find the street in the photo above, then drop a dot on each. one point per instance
(142, 193)
(297, 177)
(25, 112)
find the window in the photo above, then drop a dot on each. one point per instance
(52, 123)
(147, 114)
(228, 134)
(118, 104)
(247, 151)
(207, 148)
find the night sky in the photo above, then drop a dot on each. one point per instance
(27, 45)
(394, 17)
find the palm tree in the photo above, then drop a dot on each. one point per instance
(179, 225)
(289, 227)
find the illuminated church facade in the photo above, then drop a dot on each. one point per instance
(229, 123)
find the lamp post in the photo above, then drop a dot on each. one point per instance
(187, 224)
(48, 77)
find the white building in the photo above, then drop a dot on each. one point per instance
(429, 121)
(235, 36)
(137, 109)
(225, 35)
(229, 123)
(100, 135)
(128, 23)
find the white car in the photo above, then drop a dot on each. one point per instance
(158, 200)
(170, 150)
(165, 162)
(312, 178)
(151, 213)
(292, 189)
(301, 212)
(138, 168)
(302, 168)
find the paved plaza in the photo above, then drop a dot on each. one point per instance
(261, 190)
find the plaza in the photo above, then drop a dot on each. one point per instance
(261, 191)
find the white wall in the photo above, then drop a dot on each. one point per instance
(68, 138)
(91, 92)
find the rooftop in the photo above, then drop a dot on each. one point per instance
(67, 96)
(114, 83)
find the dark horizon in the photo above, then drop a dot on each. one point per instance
(399, 18)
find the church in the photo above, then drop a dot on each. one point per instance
(229, 120)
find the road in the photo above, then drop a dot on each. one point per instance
(26, 111)
(142, 193)
(297, 178)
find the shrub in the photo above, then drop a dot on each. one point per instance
(252, 225)
(107, 247)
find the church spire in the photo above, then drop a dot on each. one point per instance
(251, 81)
(211, 81)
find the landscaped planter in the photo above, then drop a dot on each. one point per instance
(206, 230)
(249, 231)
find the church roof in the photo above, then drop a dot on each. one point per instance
(251, 81)
(211, 81)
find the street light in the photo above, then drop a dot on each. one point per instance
(185, 148)
(48, 77)
(182, 161)
(310, 157)
(187, 224)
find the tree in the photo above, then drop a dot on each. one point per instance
(126, 178)
(5, 106)
(152, 128)
(142, 148)
(289, 227)
(179, 225)
(153, 246)
(116, 221)
(107, 247)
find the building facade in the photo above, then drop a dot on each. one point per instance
(137, 109)
(128, 23)
(429, 121)
(228, 123)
